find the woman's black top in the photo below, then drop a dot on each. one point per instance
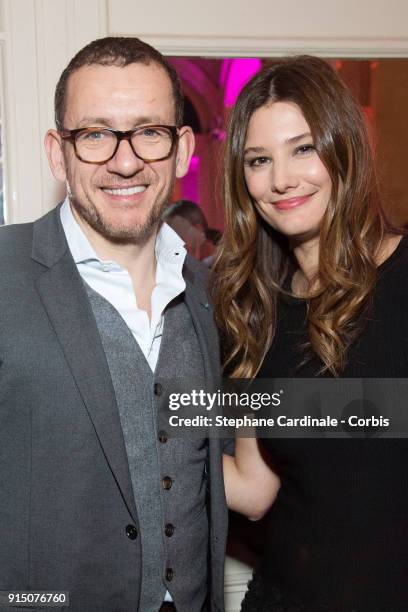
(338, 531)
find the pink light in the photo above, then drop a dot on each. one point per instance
(235, 73)
(194, 163)
(190, 183)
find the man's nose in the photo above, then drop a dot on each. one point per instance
(283, 176)
(125, 162)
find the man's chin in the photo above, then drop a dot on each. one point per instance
(125, 230)
(135, 234)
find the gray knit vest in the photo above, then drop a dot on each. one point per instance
(173, 523)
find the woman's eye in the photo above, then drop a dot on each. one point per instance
(304, 149)
(257, 161)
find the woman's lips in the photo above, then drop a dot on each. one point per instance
(291, 202)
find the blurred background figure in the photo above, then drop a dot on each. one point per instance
(188, 220)
(213, 237)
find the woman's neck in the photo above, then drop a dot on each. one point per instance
(307, 257)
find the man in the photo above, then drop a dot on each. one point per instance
(99, 309)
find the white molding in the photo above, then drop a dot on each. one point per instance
(40, 37)
(4, 135)
(24, 185)
(44, 15)
(85, 22)
(103, 17)
(238, 46)
(267, 28)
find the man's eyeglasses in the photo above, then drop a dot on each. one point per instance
(150, 143)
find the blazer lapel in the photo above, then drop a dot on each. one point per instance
(202, 316)
(64, 298)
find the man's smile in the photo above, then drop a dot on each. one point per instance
(125, 191)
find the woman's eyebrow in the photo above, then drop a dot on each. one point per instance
(291, 140)
(295, 139)
(254, 150)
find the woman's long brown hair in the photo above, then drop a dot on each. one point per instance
(254, 259)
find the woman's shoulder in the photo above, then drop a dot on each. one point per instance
(391, 290)
(396, 261)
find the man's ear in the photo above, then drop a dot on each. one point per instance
(185, 150)
(53, 148)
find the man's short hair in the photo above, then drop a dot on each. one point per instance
(116, 51)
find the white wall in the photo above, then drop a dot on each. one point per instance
(266, 27)
(39, 37)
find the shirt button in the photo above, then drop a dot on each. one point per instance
(169, 574)
(131, 532)
(158, 389)
(169, 530)
(162, 436)
(167, 482)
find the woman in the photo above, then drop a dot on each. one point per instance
(311, 281)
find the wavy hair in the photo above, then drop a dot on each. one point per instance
(253, 260)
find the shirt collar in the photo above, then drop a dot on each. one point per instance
(169, 246)
(79, 245)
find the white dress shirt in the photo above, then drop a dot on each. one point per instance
(113, 282)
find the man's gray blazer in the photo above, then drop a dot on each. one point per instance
(66, 496)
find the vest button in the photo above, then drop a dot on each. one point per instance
(169, 530)
(131, 532)
(169, 574)
(158, 389)
(167, 482)
(162, 436)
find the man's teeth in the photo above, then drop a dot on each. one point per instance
(126, 192)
